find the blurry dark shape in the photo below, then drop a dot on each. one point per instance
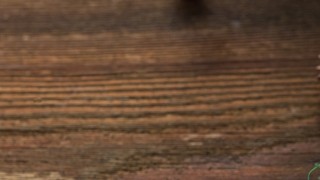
(190, 11)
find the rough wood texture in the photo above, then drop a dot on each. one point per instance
(158, 89)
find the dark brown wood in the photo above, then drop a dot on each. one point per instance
(318, 69)
(211, 89)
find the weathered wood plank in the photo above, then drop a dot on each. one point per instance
(156, 89)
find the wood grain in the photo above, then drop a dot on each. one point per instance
(158, 89)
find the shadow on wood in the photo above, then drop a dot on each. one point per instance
(191, 11)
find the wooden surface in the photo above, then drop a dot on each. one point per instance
(158, 89)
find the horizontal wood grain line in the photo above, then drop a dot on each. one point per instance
(155, 37)
(207, 101)
(132, 45)
(156, 110)
(102, 97)
(152, 89)
(159, 81)
(140, 76)
(104, 69)
(149, 114)
(266, 112)
(134, 87)
(157, 128)
(157, 95)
